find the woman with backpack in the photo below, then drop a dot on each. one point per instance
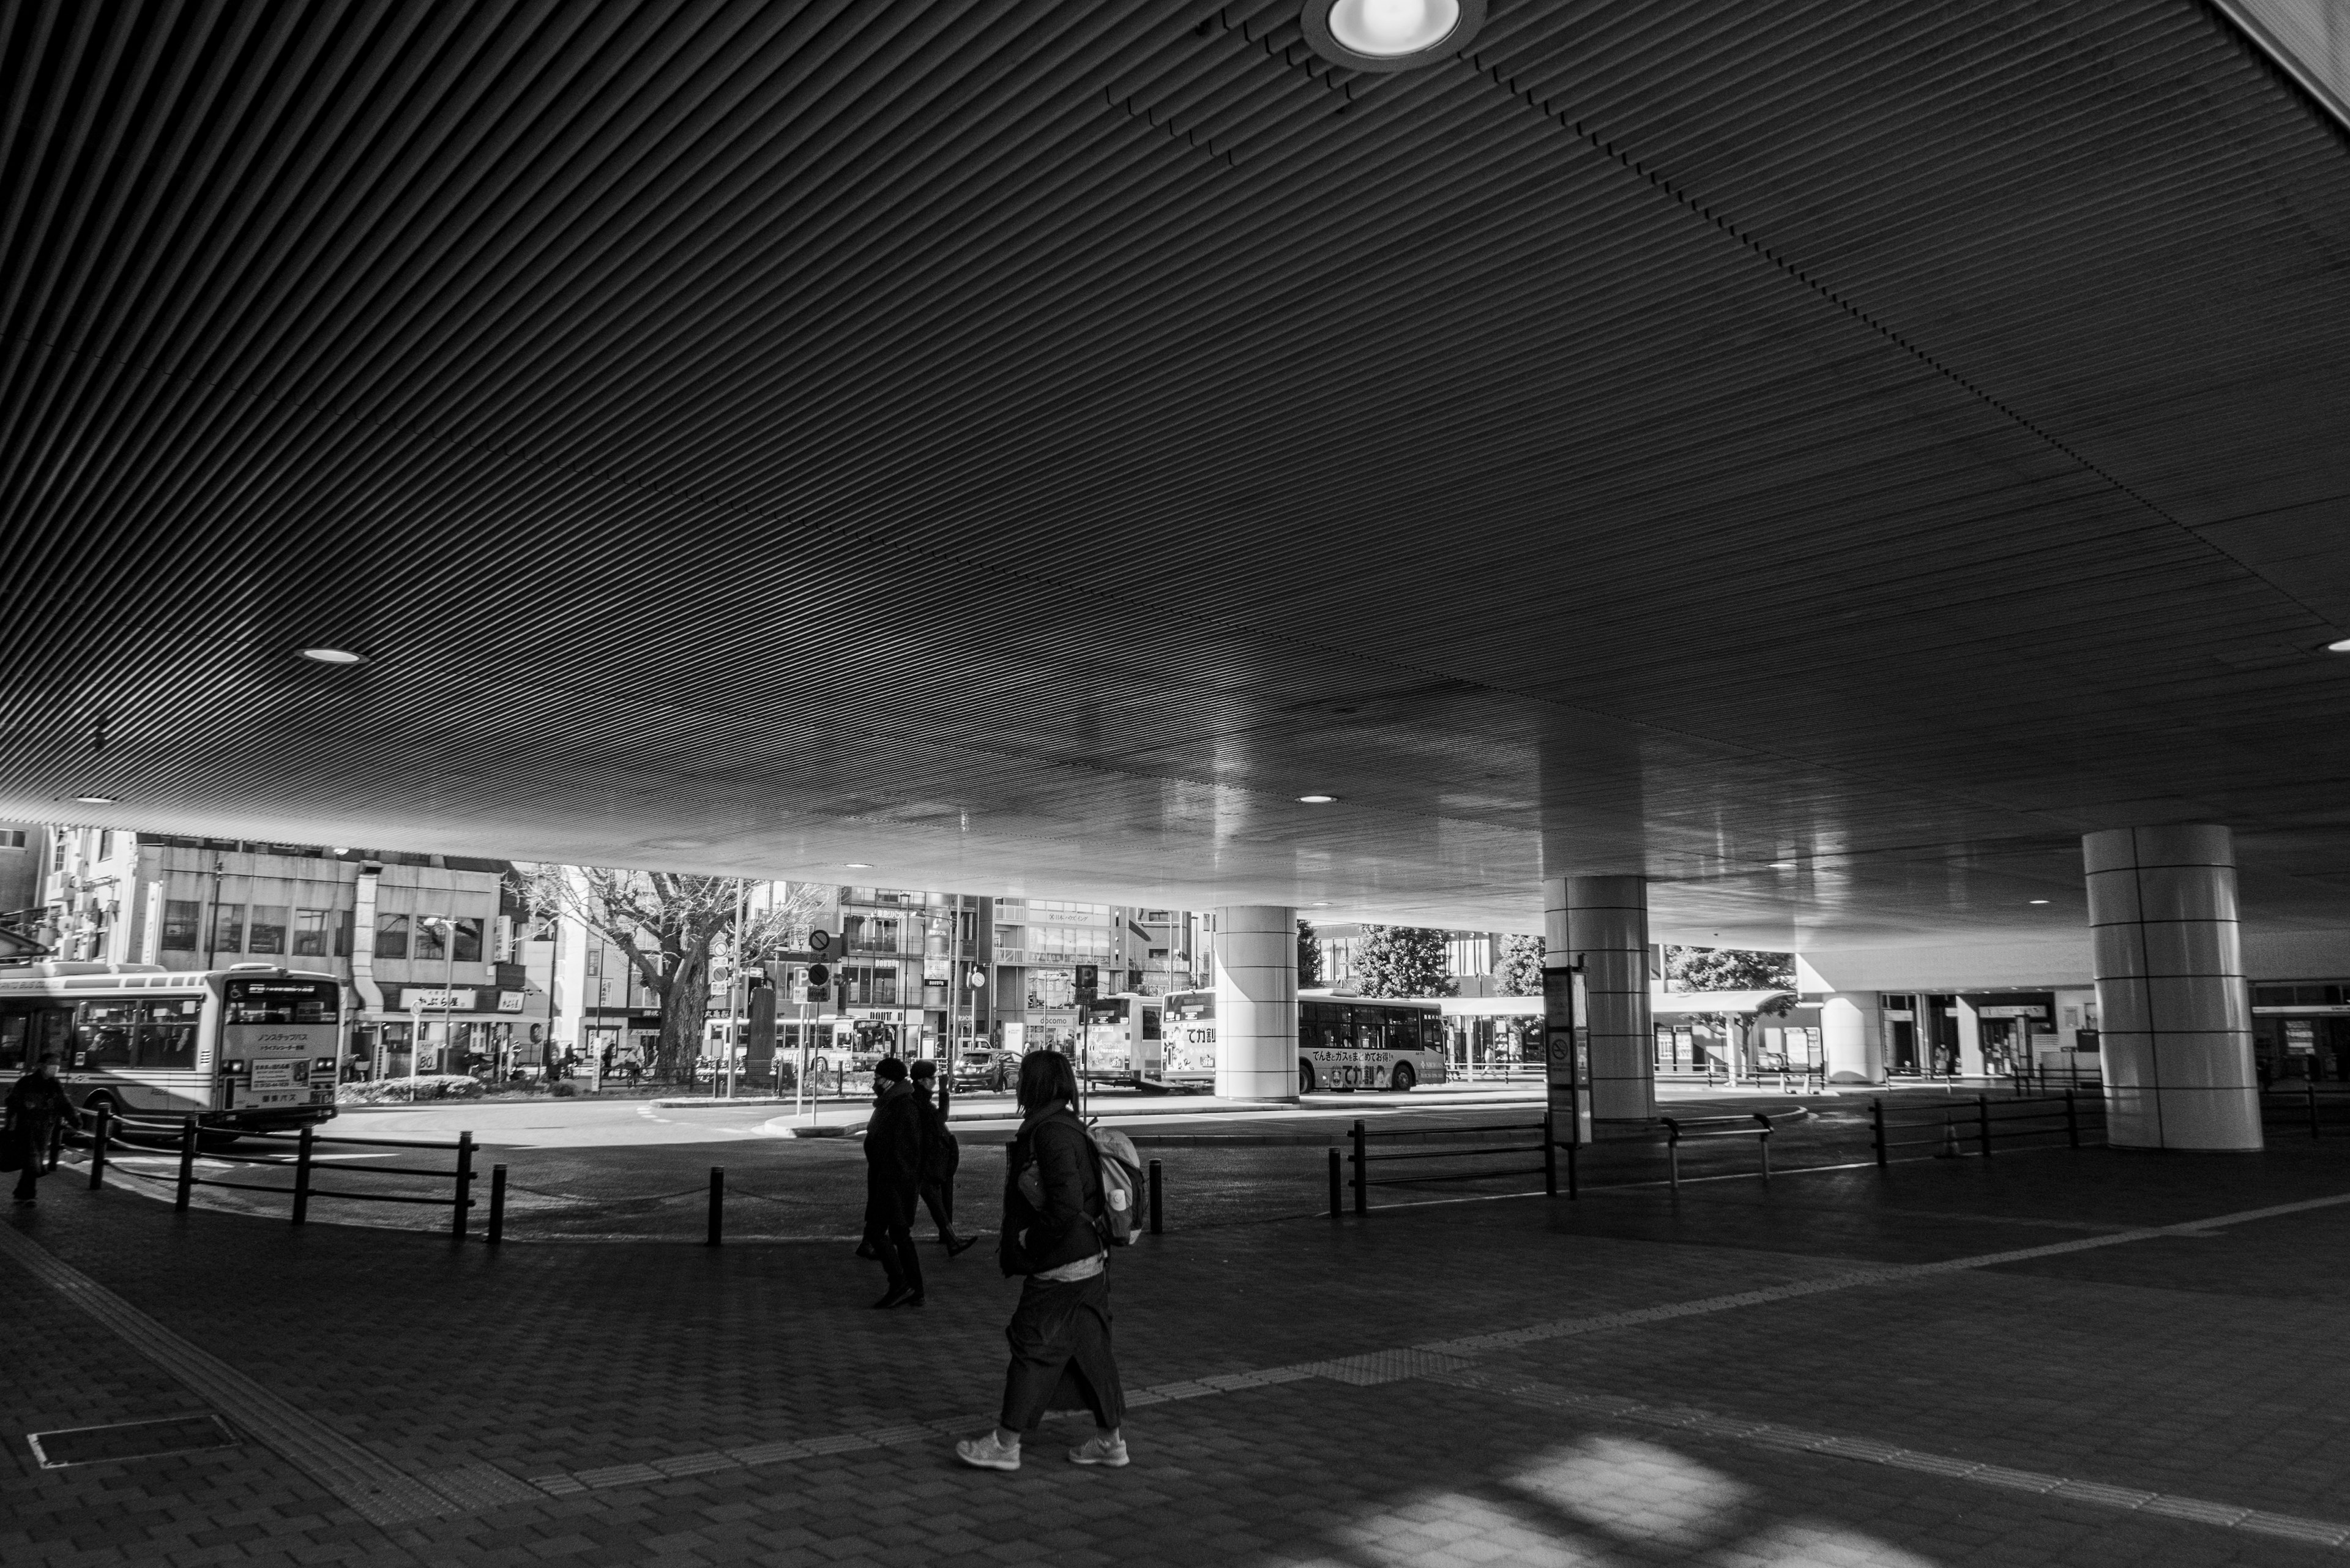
(1055, 1216)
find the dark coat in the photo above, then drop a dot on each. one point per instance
(1061, 1223)
(941, 1153)
(35, 1106)
(893, 1140)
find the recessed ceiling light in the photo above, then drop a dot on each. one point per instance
(1317, 799)
(1390, 35)
(2039, 900)
(856, 866)
(94, 800)
(2339, 645)
(334, 656)
(1386, 28)
(1783, 865)
(1320, 904)
(678, 844)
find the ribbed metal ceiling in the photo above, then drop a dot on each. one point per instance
(1024, 446)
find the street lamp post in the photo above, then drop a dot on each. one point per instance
(448, 973)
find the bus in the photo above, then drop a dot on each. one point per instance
(1119, 1042)
(251, 1048)
(1342, 1043)
(1362, 1043)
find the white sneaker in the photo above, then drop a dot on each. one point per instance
(987, 1454)
(1099, 1450)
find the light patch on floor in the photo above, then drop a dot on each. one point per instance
(1637, 1491)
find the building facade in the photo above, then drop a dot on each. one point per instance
(433, 950)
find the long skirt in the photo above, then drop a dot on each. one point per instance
(1061, 1355)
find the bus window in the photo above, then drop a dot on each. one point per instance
(1150, 1023)
(281, 1002)
(16, 1034)
(105, 1031)
(167, 1034)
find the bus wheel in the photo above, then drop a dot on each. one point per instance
(1401, 1079)
(1304, 1077)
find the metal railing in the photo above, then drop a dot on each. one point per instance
(1361, 1159)
(114, 1127)
(1710, 1128)
(2307, 1106)
(1980, 1125)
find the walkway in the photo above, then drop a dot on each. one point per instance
(2084, 1359)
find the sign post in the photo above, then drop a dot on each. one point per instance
(1567, 1052)
(1088, 986)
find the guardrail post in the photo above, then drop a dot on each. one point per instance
(1550, 1154)
(463, 1199)
(302, 1178)
(1982, 1122)
(1877, 1129)
(1673, 1153)
(2311, 1084)
(2071, 1120)
(1766, 1141)
(97, 1146)
(1158, 1186)
(187, 1164)
(1362, 1171)
(718, 1204)
(1337, 1203)
(497, 1205)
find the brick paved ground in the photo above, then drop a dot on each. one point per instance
(676, 1404)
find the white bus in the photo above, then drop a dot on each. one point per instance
(251, 1048)
(1342, 1043)
(1119, 1040)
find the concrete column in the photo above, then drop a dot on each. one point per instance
(1256, 1003)
(1851, 1039)
(2171, 999)
(1605, 920)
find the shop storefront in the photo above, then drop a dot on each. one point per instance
(2300, 1032)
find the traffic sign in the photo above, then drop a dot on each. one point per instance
(819, 941)
(1088, 981)
(976, 979)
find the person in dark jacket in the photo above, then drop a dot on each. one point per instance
(893, 1180)
(941, 1156)
(35, 1104)
(1052, 1232)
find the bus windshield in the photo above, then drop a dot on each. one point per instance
(1192, 1007)
(282, 1002)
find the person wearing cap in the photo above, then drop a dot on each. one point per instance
(35, 1104)
(893, 1181)
(940, 1155)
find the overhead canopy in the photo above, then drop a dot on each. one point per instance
(1823, 457)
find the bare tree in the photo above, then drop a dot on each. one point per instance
(669, 926)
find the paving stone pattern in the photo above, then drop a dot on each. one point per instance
(1744, 1376)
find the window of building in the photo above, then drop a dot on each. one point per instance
(266, 933)
(181, 919)
(1052, 988)
(344, 919)
(12, 838)
(430, 940)
(58, 853)
(469, 941)
(106, 843)
(874, 985)
(228, 928)
(390, 936)
(310, 931)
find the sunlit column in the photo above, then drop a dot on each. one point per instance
(2176, 1015)
(1256, 1003)
(1605, 921)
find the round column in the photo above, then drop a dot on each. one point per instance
(1256, 1003)
(2173, 1008)
(1851, 1039)
(1604, 921)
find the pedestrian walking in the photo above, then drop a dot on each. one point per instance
(37, 1102)
(941, 1156)
(893, 1181)
(1053, 1225)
